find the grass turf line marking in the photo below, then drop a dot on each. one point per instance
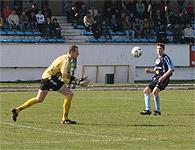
(40, 129)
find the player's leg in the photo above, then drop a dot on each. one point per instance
(66, 106)
(156, 101)
(39, 98)
(147, 92)
(159, 87)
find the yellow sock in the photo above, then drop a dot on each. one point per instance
(66, 107)
(27, 104)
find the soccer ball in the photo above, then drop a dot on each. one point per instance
(136, 52)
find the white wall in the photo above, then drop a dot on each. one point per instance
(28, 61)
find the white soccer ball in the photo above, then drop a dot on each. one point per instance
(136, 52)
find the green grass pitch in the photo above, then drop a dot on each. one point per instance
(105, 120)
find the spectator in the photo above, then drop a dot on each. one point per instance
(82, 13)
(162, 35)
(74, 16)
(120, 4)
(128, 29)
(132, 18)
(33, 21)
(146, 29)
(93, 11)
(125, 10)
(104, 30)
(7, 11)
(78, 5)
(107, 15)
(177, 34)
(189, 34)
(88, 21)
(47, 12)
(56, 28)
(171, 20)
(116, 13)
(149, 13)
(40, 20)
(166, 13)
(190, 11)
(114, 23)
(24, 22)
(95, 29)
(121, 21)
(140, 9)
(182, 21)
(13, 20)
(33, 9)
(67, 8)
(159, 18)
(138, 28)
(99, 18)
(131, 6)
(17, 9)
(48, 29)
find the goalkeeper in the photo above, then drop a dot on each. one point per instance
(59, 68)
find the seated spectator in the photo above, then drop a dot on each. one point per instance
(117, 14)
(121, 22)
(96, 29)
(17, 9)
(33, 21)
(99, 18)
(147, 29)
(132, 18)
(24, 22)
(107, 15)
(190, 11)
(56, 28)
(171, 20)
(120, 4)
(33, 9)
(162, 35)
(128, 29)
(48, 29)
(180, 4)
(74, 16)
(40, 20)
(140, 9)
(177, 34)
(7, 11)
(13, 20)
(88, 21)
(114, 23)
(138, 28)
(182, 21)
(125, 10)
(159, 18)
(189, 34)
(82, 13)
(47, 12)
(93, 11)
(104, 30)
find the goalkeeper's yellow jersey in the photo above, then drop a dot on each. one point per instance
(60, 67)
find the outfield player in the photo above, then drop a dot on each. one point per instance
(60, 67)
(163, 70)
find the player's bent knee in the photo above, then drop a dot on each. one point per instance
(147, 90)
(70, 94)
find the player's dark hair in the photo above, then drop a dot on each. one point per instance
(72, 48)
(161, 45)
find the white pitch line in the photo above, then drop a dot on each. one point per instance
(47, 130)
(178, 101)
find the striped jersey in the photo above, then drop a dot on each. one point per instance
(162, 65)
(60, 67)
